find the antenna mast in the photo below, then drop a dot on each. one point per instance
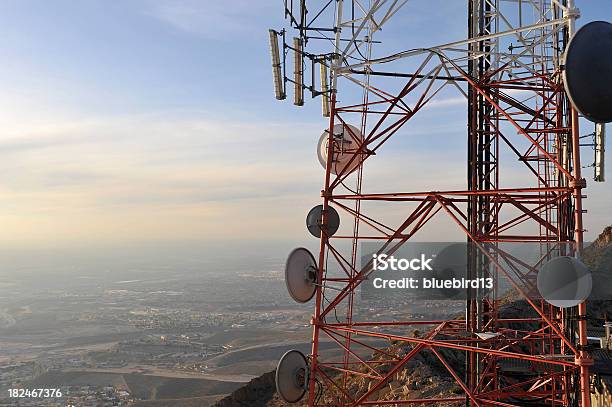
(509, 68)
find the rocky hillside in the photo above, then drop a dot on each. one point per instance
(259, 392)
(598, 256)
(424, 376)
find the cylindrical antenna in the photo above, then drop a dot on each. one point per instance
(600, 151)
(279, 83)
(298, 72)
(324, 90)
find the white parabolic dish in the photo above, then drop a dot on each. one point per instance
(300, 272)
(565, 282)
(291, 376)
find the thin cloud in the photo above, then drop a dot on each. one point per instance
(17, 145)
(211, 19)
(453, 101)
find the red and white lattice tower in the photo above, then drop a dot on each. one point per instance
(509, 69)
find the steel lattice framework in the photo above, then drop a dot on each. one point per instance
(509, 69)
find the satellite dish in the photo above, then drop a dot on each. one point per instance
(588, 71)
(291, 376)
(451, 263)
(346, 144)
(314, 217)
(300, 274)
(565, 282)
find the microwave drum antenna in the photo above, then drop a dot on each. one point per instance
(451, 263)
(347, 141)
(314, 221)
(291, 376)
(300, 274)
(565, 282)
(588, 71)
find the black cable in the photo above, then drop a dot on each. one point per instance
(323, 288)
(353, 30)
(337, 50)
(345, 186)
(319, 392)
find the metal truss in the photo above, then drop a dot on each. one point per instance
(509, 70)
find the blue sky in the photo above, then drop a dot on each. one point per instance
(134, 56)
(154, 120)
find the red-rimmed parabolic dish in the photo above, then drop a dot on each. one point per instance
(588, 71)
(347, 141)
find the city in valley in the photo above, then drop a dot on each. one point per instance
(134, 334)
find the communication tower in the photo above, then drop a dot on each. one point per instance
(511, 69)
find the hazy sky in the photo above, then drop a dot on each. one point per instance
(154, 120)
